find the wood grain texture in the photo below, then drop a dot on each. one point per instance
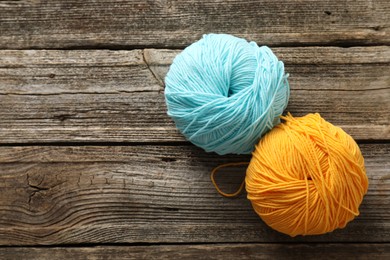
(98, 85)
(220, 251)
(152, 194)
(117, 96)
(169, 23)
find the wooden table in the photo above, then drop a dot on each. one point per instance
(91, 166)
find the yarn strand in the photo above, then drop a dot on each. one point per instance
(216, 169)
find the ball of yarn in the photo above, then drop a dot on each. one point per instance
(224, 93)
(306, 177)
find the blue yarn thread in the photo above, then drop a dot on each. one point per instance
(224, 93)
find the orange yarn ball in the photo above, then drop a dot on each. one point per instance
(306, 177)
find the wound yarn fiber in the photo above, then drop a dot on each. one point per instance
(306, 177)
(224, 93)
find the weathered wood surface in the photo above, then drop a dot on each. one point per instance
(153, 194)
(221, 251)
(117, 96)
(168, 23)
(151, 186)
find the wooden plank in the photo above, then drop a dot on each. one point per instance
(221, 251)
(71, 72)
(117, 96)
(169, 23)
(152, 194)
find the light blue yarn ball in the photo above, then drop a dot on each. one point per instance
(224, 93)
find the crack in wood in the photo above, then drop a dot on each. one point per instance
(36, 189)
(155, 76)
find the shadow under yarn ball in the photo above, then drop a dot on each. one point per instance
(224, 93)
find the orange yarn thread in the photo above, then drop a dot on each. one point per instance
(216, 169)
(306, 177)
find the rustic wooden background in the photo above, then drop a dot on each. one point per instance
(91, 166)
